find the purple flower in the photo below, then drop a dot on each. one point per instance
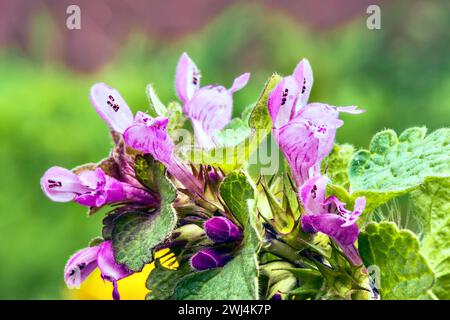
(330, 216)
(209, 108)
(221, 229)
(209, 259)
(149, 135)
(82, 263)
(304, 132)
(90, 188)
(143, 132)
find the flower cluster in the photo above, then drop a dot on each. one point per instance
(208, 232)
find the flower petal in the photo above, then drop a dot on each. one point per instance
(151, 138)
(324, 121)
(138, 137)
(282, 101)
(350, 109)
(334, 205)
(352, 217)
(62, 185)
(80, 266)
(304, 76)
(331, 225)
(187, 78)
(110, 105)
(210, 110)
(312, 195)
(240, 82)
(110, 269)
(96, 180)
(142, 118)
(300, 147)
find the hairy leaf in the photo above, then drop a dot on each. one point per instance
(431, 204)
(404, 272)
(135, 234)
(337, 163)
(396, 165)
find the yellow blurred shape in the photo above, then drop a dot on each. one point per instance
(130, 288)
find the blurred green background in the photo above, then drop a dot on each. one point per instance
(399, 74)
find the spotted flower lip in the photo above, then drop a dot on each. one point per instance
(209, 108)
(90, 188)
(208, 258)
(304, 131)
(112, 108)
(330, 216)
(110, 105)
(221, 229)
(85, 261)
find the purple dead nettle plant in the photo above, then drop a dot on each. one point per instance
(208, 222)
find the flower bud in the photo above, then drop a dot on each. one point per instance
(208, 259)
(221, 229)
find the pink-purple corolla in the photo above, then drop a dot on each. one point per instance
(329, 216)
(91, 188)
(85, 261)
(305, 133)
(209, 108)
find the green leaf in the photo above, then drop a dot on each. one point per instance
(157, 106)
(96, 241)
(143, 170)
(396, 165)
(235, 190)
(162, 281)
(238, 279)
(404, 272)
(337, 163)
(235, 157)
(431, 205)
(135, 234)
